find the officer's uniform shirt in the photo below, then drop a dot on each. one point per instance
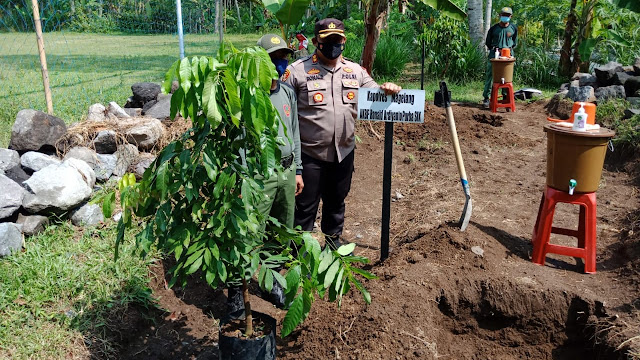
(327, 105)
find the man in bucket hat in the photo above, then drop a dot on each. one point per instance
(327, 85)
(501, 35)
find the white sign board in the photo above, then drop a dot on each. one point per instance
(406, 106)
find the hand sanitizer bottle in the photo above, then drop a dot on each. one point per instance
(497, 54)
(580, 119)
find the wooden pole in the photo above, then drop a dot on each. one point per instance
(43, 56)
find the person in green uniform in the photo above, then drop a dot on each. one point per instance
(501, 35)
(281, 188)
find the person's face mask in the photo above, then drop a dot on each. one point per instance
(505, 19)
(331, 50)
(281, 65)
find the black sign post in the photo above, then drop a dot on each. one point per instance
(386, 190)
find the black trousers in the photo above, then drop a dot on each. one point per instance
(329, 181)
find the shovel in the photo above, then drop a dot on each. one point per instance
(443, 99)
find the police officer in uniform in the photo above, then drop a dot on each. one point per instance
(326, 85)
(501, 35)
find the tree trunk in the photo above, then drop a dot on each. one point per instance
(238, 11)
(564, 66)
(584, 33)
(375, 14)
(474, 9)
(487, 17)
(247, 309)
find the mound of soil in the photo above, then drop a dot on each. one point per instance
(445, 293)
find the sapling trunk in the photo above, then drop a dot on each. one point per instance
(247, 309)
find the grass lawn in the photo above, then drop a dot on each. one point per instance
(87, 68)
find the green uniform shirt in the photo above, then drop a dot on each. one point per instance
(502, 37)
(283, 99)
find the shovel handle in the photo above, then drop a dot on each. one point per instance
(456, 145)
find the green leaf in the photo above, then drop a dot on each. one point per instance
(292, 11)
(222, 271)
(280, 279)
(196, 264)
(326, 260)
(365, 293)
(331, 273)
(168, 78)
(107, 204)
(311, 245)
(210, 276)
(162, 180)
(293, 317)
(176, 102)
(261, 275)
(209, 101)
(268, 281)
(347, 249)
(447, 8)
(185, 74)
(272, 5)
(338, 282)
(364, 273)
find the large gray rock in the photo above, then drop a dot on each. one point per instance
(105, 166)
(32, 224)
(636, 67)
(133, 112)
(629, 113)
(10, 238)
(17, 174)
(610, 92)
(634, 101)
(605, 73)
(581, 93)
(35, 130)
(8, 159)
(632, 85)
(105, 142)
(97, 113)
(146, 133)
(162, 109)
(621, 77)
(87, 214)
(127, 154)
(11, 197)
(58, 188)
(83, 153)
(116, 110)
(143, 92)
(585, 79)
(143, 162)
(35, 161)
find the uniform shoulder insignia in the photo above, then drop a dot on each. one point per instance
(286, 75)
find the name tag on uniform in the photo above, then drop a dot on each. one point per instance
(406, 106)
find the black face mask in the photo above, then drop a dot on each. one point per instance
(331, 50)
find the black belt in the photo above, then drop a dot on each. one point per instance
(286, 161)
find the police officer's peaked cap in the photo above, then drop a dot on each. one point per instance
(326, 27)
(273, 42)
(506, 10)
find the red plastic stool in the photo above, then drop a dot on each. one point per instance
(507, 100)
(586, 232)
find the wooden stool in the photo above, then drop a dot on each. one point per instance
(507, 100)
(586, 232)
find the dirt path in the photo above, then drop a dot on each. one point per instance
(436, 298)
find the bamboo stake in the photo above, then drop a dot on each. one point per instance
(43, 56)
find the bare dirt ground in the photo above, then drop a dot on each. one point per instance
(435, 298)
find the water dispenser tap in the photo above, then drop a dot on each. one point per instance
(572, 186)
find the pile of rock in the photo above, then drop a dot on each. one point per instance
(50, 169)
(612, 80)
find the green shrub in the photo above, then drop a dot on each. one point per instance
(392, 54)
(536, 67)
(609, 112)
(628, 132)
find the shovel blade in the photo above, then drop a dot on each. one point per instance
(466, 213)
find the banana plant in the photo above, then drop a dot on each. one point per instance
(198, 199)
(288, 13)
